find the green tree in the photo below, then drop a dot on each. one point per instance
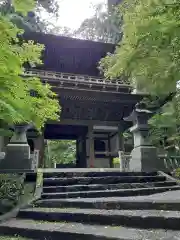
(104, 26)
(149, 54)
(165, 126)
(149, 57)
(33, 20)
(16, 101)
(60, 151)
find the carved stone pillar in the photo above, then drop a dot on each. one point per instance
(17, 151)
(121, 149)
(144, 155)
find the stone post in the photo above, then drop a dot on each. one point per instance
(2, 153)
(17, 151)
(121, 149)
(144, 156)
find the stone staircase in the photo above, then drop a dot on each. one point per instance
(101, 205)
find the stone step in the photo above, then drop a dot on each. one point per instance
(157, 219)
(13, 238)
(71, 231)
(74, 188)
(109, 193)
(101, 180)
(126, 203)
(103, 173)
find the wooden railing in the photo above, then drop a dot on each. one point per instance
(61, 77)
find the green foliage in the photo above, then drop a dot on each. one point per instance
(61, 151)
(23, 6)
(116, 161)
(103, 26)
(11, 188)
(149, 57)
(149, 54)
(16, 102)
(27, 14)
(164, 126)
(176, 173)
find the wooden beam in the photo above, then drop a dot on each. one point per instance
(84, 122)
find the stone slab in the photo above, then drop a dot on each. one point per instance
(9, 171)
(161, 201)
(14, 163)
(110, 212)
(101, 180)
(29, 228)
(66, 174)
(132, 218)
(108, 193)
(145, 159)
(74, 188)
(54, 170)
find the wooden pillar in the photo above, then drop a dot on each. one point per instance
(109, 149)
(121, 139)
(81, 152)
(91, 147)
(77, 153)
(42, 153)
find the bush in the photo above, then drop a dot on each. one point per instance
(11, 189)
(116, 161)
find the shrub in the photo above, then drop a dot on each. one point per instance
(11, 189)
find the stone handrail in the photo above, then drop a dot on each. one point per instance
(58, 76)
(171, 162)
(2, 155)
(124, 160)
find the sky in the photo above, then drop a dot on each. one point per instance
(73, 12)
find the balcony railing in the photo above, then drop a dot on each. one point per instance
(75, 79)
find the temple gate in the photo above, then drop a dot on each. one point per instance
(93, 109)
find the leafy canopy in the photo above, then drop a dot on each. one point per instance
(16, 101)
(36, 17)
(149, 54)
(104, 26)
